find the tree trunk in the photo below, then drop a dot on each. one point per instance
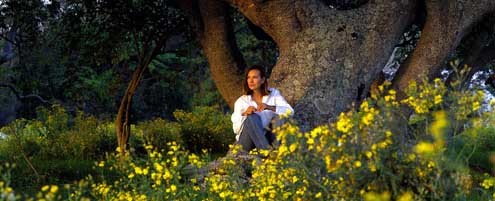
(122, 123)
(328, 58)
(478, 49)
(447, 22)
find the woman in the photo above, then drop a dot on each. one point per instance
(254, 110)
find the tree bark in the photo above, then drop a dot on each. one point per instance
(214, 30)
(478, 49)
(218, 41)
(122, 123)
(447, 22)
(328, 58)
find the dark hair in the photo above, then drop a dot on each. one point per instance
(264, 86)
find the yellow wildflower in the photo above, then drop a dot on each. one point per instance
(367, 118)
(53, 189)
(424, 148)
(138, 170)
(357, 164)
(476, 105)
(293, 147)
(101, 164)
(173, 188)
(439, 124)
(407, 196)
(372, 167)
(344, 124)
(372, 196)
(438, 99)
(45, 188)
(369, 154)
(488, 183)
(158, 167)
(167, 175)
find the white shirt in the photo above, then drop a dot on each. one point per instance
(243, 102)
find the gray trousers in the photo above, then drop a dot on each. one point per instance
(253, 135)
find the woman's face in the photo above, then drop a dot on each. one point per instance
(254, 79)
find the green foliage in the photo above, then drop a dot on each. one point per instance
(475, 144)
(159, 133)
(255, 50)
(372, 153)
(205, 128)
(58, 145)
(63, 147)
(84, 53)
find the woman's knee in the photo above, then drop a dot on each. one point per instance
(253, 117)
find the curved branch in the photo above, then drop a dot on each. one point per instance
(447, 22)
(477, 54)
(218, 42)
(23, 97)
(277, 18)
(212, 25)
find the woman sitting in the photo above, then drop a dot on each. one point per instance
(254, 111)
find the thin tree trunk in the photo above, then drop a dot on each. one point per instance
(122, 123)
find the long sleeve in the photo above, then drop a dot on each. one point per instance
(237, 118)
(281, 105)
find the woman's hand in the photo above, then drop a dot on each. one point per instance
(263, 106)
(249, 110)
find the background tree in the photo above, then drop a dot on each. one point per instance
(21, 25)
(135, 23)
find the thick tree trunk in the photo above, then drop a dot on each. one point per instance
(328, 58)
(214, 30)
(447, 22)
(478, 49)
(218, 41)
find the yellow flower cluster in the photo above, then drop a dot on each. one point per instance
(467, 103)
(344, 123)
(6, 192)
(437, 128)
(366, 154)
(369, 113)
(373, 196)
(128, 196)
(101, 189)
(425, 97)
(48, 193)
(488, 183)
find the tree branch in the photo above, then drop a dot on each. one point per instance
(477, 54)
(447, 22)
(191, 8)
(9, 40)
(226, 62)
(21, 97)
